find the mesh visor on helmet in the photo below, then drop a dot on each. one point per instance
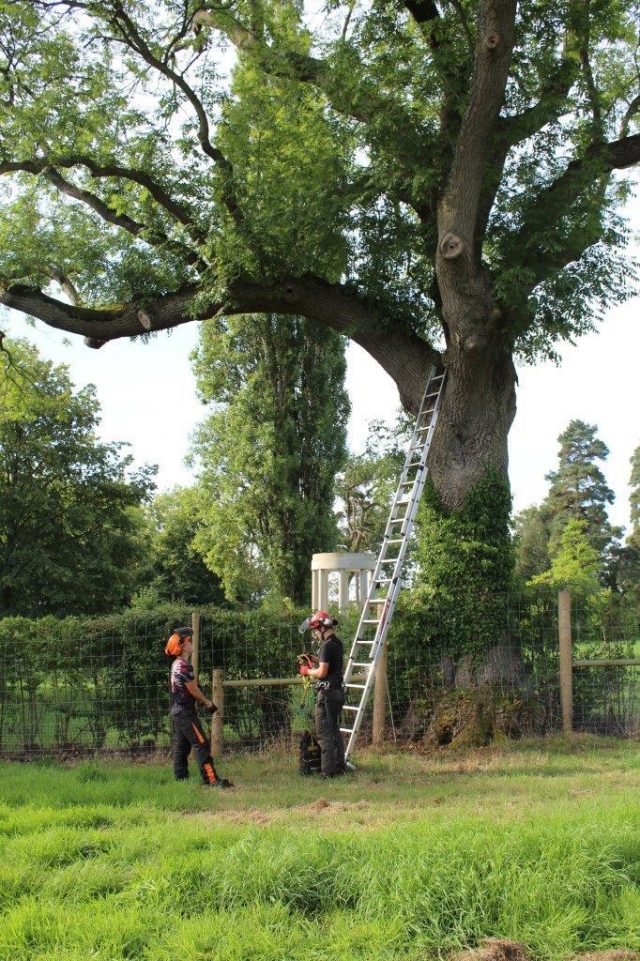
(316, 621)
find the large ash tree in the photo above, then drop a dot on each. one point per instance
(437, 180)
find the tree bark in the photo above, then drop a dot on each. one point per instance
(479, 399)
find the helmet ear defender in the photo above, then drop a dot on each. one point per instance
(316, 621)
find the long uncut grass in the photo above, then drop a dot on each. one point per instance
(410, 859)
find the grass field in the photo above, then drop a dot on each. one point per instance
(412, 858)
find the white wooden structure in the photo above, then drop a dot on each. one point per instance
(347, 566)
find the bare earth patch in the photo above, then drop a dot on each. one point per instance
(495, 949)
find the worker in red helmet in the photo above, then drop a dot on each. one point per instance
(187, 729)
(329, 691)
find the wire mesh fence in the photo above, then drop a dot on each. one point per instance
(78, 686)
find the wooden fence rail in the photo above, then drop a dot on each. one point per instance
(219, 683)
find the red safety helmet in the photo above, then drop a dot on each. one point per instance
(177, 639)
(315, 621)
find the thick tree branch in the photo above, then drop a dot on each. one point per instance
(511, 131)
(38, 165)
(404, 355)
(127, 32)
(151, 235)
(95, 203)
(599, 161)
(362, 102)
(458, 209)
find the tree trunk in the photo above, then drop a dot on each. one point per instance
(477, 411)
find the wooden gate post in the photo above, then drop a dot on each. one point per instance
(566, 660)
(380, 698)
(217, 721)
(195, 657)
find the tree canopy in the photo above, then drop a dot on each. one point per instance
(269, 450)
(174, 569)
(437, 180)
(69, 527)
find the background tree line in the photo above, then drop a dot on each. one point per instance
(80, 532)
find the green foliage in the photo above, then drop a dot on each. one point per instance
(175, 570)
(531, 544)
(367, 484)
(291, 194)
(458, 604)
(324, 149)
(575, 564)
(634, 497)
(269, 451)
(434, 865)
(69, 527)
(578, 489)
(98, 683)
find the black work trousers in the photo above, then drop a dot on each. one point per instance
(327, 719)
(188, 733)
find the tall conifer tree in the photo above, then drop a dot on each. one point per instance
(578, 488)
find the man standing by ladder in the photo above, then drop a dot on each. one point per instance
(329, 691)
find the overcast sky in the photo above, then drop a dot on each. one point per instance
(147, 396)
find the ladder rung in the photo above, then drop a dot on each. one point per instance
(389, 560)
(395, 540)
(350, 707)
(366, 664)
(371, 621)
(360, 687)
(346, 730)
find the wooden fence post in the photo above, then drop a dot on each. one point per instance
(566, 660)
(217, 721)
(380, 698)
(195, 657)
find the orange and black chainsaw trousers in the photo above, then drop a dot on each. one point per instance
(187, 734)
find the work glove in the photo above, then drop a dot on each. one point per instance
(304, 669)
(212, 709)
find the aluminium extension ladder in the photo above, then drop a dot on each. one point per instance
(386, 580)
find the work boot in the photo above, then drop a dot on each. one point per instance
(220, 782)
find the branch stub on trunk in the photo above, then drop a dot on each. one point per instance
(145, 320)
(451, 246)
(492, 40)
(94, 343)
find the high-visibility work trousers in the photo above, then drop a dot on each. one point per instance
(188, 733)
(327, 719)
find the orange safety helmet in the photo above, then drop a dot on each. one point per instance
(176, 641)
(315, 621)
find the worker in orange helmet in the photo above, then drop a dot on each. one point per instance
(187, 729)
(329, 691)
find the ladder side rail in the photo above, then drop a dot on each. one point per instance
(412, 509)
(408, 522)
(393, 579)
